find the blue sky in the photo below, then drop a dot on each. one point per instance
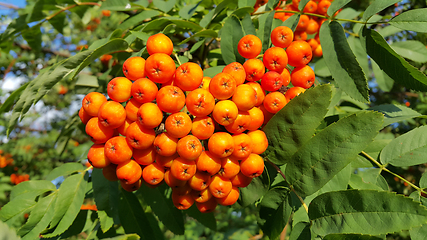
(5, 11)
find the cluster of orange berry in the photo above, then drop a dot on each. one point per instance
(5, 160)
(16, 178)
(307, 25)
(142, 134)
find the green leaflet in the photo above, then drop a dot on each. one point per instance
(330, 150)
(231, 34)
(406, 150)
(295, 124)
(364, 212)
(390, 62)
(412, 20)
(275, 210)
(395, 113)
(337, 52)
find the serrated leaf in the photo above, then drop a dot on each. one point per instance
(116, 5)
(395, 113)
(418, 233)
(357, 182)
(264, 29)
(207, 219)
(302, 4)
(295, 124)
(411, 49)
(20, 205)
(37, 12)
(351, 237)
(412, 20)
(39, 217)
(423, 181)
(231, 34)
(164, 209)
(133, 217)
(138, 18)
(364, 212)
(141, 35)
(111, 46)
(376, 7)
(64, 170)
(125, 237)
(35, 187)
(246, 3)
(406, 150)
(164, 6)
(330, 150)
(385, 83)
(336, 5)
(7, 233)
(207, 19)
(301, 231)
(342, 62)
(272, 4)
(87, 81)
(188, 11)
(106, 195)
(391, 63)
(360, 53)
(7, 105)
(275, 210)
(389, 30)
(320, 69)
(71, 194)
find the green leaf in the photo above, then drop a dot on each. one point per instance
(33, 37)
(7, 233)
(406, 150)
(301, 231)
(207, 19)
(391, 63)
(64, 170)
(87, 81)
(418, 233)
(116, 5)
(292, 22)
(164, 209)
(320, 69)
(360, 53)
(188, 11)
(106, 195)
(264, 29)
(37, 12)
(412, 20)
(389, 30)
(275, 210)
(423, 181)
(20, 205)
(255, 190)
(39, 218)
(385, 83)
(207, 219)
(36, 187)
(71, 194)
(138, 19)
(212, 71)
(363, 180)
(15, 26)
(330, 150)
(231, 34)
(336, 5)
(342, 62)
(202, 33)
(302, 4)
(295, 124)
(164, 6)
(246, 3)
(125, 237)
(7, 105)
(248, 25)
(58, 22)
(364, 212)
(376, 7)
(351, 237)
(272, 4)
(133, 217)
(109, 47)
(395, 113)
(411, 49)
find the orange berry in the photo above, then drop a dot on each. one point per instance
(159, 43)
(249, 46)
(252, 166)
(299, 53)
(221, 144)
(91, 103)
(144, 90)
(165, 144)
(97, 132)
(119, 89)
(153, 174)
(189, 147)
(160, 68)
(220, 186)
(117, 150)
(245, 97)
(254, 69)
(188, 76)
(134, 68)
(281, 36)
(225, 112)
(259, 141)
(149, 115)
(96, 156)
(231, 198)
(274, 102)
(293, 92)
(183, 169)
(140, 137)
(260, 93)
(303, 77)
(222, 86)
(111, 114)
(208, 162)
(200, 102)
(236, 70)
(275, 59)
(203, 127)
(257, 118)
(170, 99)
(129, 171)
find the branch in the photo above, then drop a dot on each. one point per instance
(45, 50)
(10, 6)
